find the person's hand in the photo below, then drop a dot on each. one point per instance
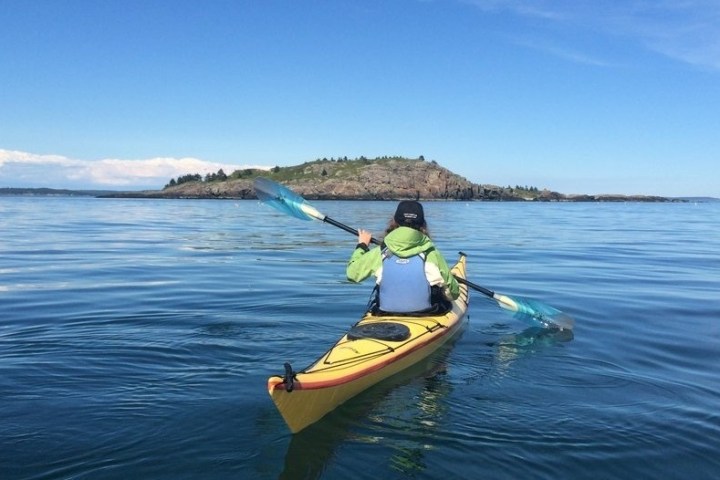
(364, 237)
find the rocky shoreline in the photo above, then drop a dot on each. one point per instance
(379, 179)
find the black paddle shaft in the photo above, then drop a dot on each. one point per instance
(276, 193)
(477, 287)
(347, 228)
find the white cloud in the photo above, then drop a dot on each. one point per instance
(23, 169)
(688, 31)
(12, 156)
(567, 52)
(685, 30)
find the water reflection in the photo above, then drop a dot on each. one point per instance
(513, 346)
(535, 337)
(423, 423)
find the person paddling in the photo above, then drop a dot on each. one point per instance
(412, 275)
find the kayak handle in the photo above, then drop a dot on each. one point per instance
(289, 378)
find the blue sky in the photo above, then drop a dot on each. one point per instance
(572, 95)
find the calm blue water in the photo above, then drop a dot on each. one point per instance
(136, 338)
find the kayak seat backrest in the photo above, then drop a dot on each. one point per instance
(388, 331)
(440, 305)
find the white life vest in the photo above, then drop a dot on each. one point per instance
(404, 288)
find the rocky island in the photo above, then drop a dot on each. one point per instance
(385, 178)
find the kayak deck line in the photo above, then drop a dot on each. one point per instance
(363, 357)
(320, 385)
(355, 375)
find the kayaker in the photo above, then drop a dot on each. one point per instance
(412, 275)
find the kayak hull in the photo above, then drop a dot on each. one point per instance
(357, 362)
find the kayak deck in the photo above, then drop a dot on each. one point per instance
(376, 348)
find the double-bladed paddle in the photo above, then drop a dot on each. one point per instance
(531, 311)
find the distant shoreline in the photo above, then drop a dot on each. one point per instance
(383, 178)
(52, 192)
(155, 194)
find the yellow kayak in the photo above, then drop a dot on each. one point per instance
(374, 349)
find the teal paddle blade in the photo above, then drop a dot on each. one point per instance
(540, 314)
(281, 198)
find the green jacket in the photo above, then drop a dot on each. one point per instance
(404, 242)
